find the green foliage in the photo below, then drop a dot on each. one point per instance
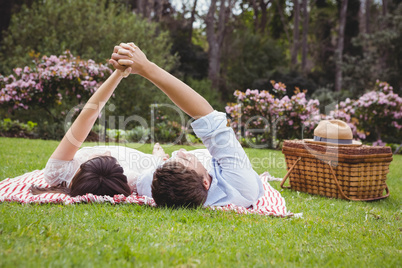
(193, 58)
(276, 27)
(381, 57)
(321, 45)
(13, 128)
(251, 59)
(139, 134)
(332, 232)
(169, 132)
(204, 88)
(50, 130)
(328, 98)
(89, 29)
(193, 139)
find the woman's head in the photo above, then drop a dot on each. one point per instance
(101, 175)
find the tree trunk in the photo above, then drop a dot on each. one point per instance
(213, 66)
(264, 15)
(285, 28)
(384, 7)
(192, 19)
(339, 49)
(158, 9)
(145, 8)
(305, 34)
(216, 30)
(367, 16)
(295, 46)
(256, 14)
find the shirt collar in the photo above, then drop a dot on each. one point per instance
(215, 193)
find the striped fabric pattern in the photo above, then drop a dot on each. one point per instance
(17, 190)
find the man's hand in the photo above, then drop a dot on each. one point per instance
(129, 55)
(124, 67)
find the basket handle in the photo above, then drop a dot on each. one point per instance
(340, 189)
(288, 174)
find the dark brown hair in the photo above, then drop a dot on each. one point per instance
(174, 185)
(100, 176)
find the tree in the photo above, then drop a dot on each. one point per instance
(295, 44)
(260, 8)
(279, 22)
(305, 33)
(192, 20)
(7, 8)
(153, 10)
(367, 16)
(216, 32)
(339, 49)
(381, 56)
(352, 28)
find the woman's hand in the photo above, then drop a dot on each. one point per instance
(124, 65)
(129, 55)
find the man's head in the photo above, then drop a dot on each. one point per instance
(181, 182)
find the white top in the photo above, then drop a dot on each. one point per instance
(132, 161)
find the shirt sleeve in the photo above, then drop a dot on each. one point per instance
(59, 171)
(144, 183)
(221, 142)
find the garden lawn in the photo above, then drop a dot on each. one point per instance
(331, 233)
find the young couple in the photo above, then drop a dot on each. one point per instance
(224, 176)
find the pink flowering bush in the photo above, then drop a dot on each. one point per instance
(262, 118)
(54, 84)
(375, 116)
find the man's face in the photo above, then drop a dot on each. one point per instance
(191, 162)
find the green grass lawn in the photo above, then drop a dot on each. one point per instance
(331, 233)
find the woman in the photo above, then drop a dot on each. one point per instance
(101, 170)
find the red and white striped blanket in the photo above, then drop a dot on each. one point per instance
(17, 190)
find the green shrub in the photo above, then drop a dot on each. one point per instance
(169, 132)
(89, 29)
(138, 134)
(13, 128)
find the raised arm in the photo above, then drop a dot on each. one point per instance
(81, 127)
(181, 94)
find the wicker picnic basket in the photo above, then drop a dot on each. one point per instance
(353, 173)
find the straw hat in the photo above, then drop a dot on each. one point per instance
(334, 133)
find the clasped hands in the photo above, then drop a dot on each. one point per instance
(128, 58)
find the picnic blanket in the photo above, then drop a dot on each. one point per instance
(17, 190)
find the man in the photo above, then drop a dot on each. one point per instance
(183, 181)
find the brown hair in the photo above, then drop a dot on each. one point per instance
(174, 185)
(100, 176)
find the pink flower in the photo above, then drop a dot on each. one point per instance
(18, 71)
(379, 143)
